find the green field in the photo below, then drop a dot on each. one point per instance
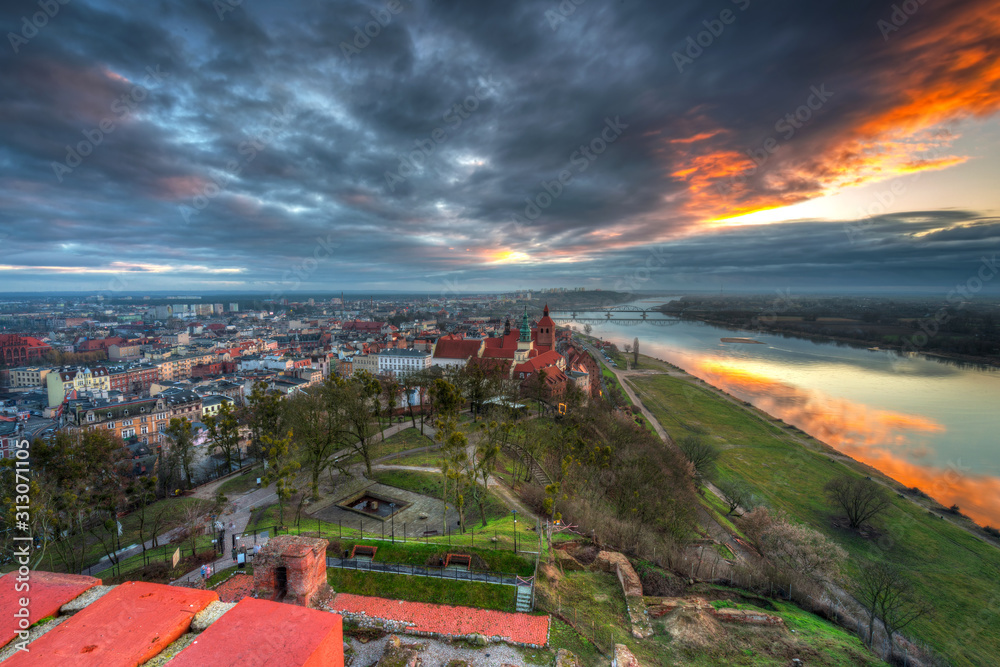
(594, 617)
(406, 439)
(417, 553)
(423, 589)
(956, 572)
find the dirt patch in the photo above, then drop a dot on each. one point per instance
(693, 628)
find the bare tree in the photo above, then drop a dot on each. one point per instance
(886, 594)
(861, 499)
(898, 608)
(736, 494)
(635, 352)
(701, 453)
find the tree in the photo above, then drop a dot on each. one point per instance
(478, 384)
(899, 607)
(224, 429)
(701, 453)
(794, 550)
(82, 479)
(492, 437)
(861, 499)
(281, 469)
(635, 352)
(264, 415)
(181, 454)
(141, 492)
(736, 494)
(357, 401)
(587, 329)
(320, 428)
(882, 589)
(194, 525)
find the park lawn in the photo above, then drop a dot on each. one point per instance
(951, 569)
(423, 589)
(432, 484)
(174, 509)
(498, 533)
(406, 439)
(162, 553)
(430, 459)
(241, 483)
(420, 554)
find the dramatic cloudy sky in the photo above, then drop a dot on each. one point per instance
(269, 145)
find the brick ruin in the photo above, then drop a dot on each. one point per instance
(292, 569)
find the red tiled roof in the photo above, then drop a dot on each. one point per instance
(543, 360)
(448, 620)
(457, 349)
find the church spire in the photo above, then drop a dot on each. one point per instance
(525, 327)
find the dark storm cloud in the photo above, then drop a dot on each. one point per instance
(420, 149)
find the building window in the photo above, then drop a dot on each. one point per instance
(111, 425)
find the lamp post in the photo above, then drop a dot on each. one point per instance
(514, 512)
(392, 519)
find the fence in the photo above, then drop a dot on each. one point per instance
(455, 574)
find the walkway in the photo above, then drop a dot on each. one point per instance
(445, 620)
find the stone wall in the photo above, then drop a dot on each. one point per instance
(304, 560)
(612, 561)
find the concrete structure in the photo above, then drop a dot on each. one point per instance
(64, 381)
(402, 362)
(365, 362)
(124, 352)
(26, 377)
(143, 420)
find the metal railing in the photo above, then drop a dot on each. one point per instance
(456, 574)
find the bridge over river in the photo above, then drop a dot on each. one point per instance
(625, 314)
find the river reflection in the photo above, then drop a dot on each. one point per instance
(924, 422)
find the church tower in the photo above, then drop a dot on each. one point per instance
(525, 344)
(546, 330)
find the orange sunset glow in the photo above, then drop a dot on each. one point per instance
(887, 441)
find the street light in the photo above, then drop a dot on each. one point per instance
(514, 512)
(392, 519)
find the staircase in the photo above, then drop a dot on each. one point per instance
(523, 599)
(537, 472)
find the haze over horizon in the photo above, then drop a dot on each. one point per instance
(263, 146)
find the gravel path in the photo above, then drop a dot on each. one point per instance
(438, 654)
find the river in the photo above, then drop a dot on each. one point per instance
(926, 422)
